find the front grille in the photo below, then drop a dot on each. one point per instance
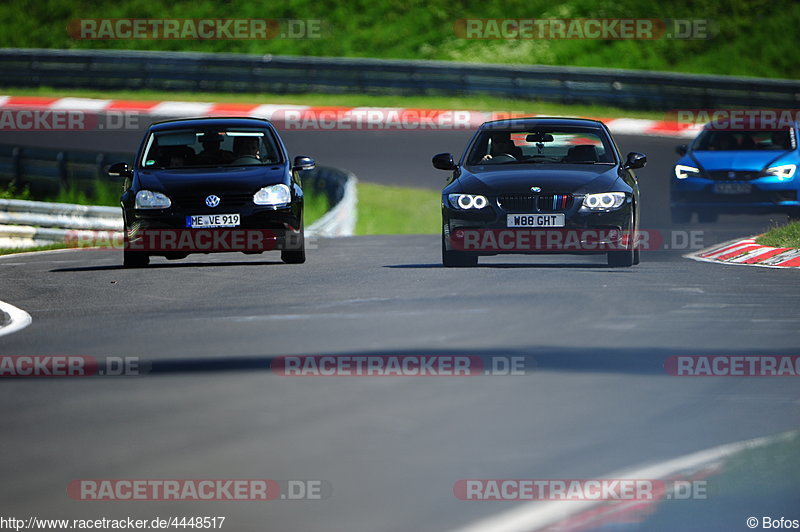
(539, 202)
(198, 200)
(516, 202)
(555, 202)
(725, 175)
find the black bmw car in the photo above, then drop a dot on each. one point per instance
(540, 185)
(206, 185)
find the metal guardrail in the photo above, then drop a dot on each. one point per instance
(187, 71)
(33, 223)
(44, 171)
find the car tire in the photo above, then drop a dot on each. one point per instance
(636, 256)
(296, 255)
(457, 259)
(621, 259)
(681, 216)
(624, 258)
(135, 259)
(707, 217)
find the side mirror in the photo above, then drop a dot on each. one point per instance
(636, 160)
(444, 161)
(119, 170)
(302, 162)
(682, 149)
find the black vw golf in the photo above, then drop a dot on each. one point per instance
(540, 185)
(206, 185)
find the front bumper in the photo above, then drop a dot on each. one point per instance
(485, 232)
(767, 195)
(165, 232)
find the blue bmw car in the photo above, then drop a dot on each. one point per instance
(737, 171)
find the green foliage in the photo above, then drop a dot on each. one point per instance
(12, 191)
(385, 210)
(785, 236)
(754, 37)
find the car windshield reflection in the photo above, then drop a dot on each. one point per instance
(542, 146)
(197, 148)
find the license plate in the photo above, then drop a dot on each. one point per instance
(535, 220)
(213, 220)
(733, 188)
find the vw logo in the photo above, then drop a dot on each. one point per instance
(212, 200)
(731, 175)
(536, 189)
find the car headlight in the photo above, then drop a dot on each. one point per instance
(682, 171)
(784, 171)
(467, 201)
(273, 195)
(607, 201)
(147, 199)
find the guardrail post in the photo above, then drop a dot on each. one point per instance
(61, 159)
(16, 161)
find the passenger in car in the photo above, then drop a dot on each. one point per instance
(175, 156)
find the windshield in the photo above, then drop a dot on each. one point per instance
(717, 140)
(542, 145)
(187, 148)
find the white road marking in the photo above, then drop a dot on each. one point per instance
(19, 319)
(533, 516)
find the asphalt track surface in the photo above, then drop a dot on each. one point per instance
(598, 400)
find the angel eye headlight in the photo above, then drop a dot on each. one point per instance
(467, 201)
(606, 201)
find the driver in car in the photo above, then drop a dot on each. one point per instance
(246, 150)
(501, 144)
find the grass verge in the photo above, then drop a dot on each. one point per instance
(785, 236)
(11, 251)
(384, 210)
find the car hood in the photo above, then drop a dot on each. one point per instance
(733, 160)
(232, 179)
(551, 178)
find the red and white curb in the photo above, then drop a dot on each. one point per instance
(746, 252)
(333, 118)
(589, 515)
